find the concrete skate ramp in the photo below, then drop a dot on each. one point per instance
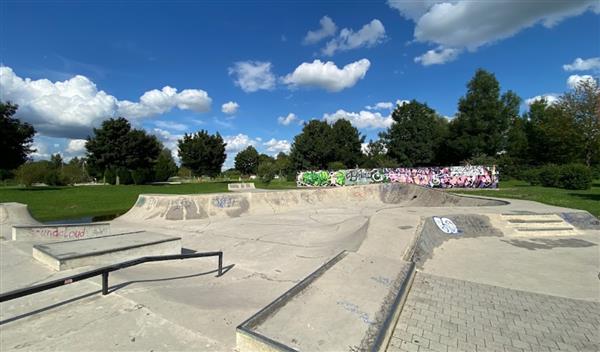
(14, 214)
(436, 230)
(192, 207)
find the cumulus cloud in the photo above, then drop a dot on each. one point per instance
(574, 80)
(327, 75)
(170, 125)
(362, 119)
(72, 107)
(459, 24)
(386, 105)
(238, 142)
(286, 120)
(437, 56)
(550, 99)
(76, 146)
(230, 108)
(252, 76)
(369, 35)
(276, 146)
(328, 29)
(580, 64)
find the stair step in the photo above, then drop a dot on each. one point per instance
(534, 221)
(539, 229)
(531, 217)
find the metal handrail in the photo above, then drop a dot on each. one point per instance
(7, 296)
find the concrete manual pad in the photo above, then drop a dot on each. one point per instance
(105, 250)
(348, 307)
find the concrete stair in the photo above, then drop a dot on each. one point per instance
(534, 225)
(350, 303)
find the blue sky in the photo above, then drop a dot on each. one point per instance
(71, 64)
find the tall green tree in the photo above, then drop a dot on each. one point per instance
(16, 139)
(202, 153)
(312, 148)
(582, 104)
(246, 161)
(552, 134)
(165, 166)
(117, 149)
(347, 143)
(415, 135)
(483, 119)
(375, 155)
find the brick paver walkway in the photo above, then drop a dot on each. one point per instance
(443, 314)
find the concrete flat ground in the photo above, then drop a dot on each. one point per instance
(271, 241)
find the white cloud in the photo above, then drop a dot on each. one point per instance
(362, 119)
(580, 64)
(384, 105)
(369, 35)
(327, 75)
(252, 76)
(286, 120)
(328, 29)
(458, 24)
(230, 108)
(170, 125)
(72, 107)
(574, 80)
(41, 149)
(437, 56)
(550, 99)
(169, 140)
(238, 142)
(275, 146)
(76, 147)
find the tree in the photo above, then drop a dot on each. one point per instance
(56, 161)
(16, 138)
(320, 143)
(347, 143)
(283, 165)
(583, 106)
(376, 156)
(117, 149)
(202, 153)
(553, 136)
(246, 161)
(414, 137)
(165, 166)
(483, 118)
(312, 148)
(267, 171)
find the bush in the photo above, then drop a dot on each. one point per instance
(575, 176)
(141, 176)
(32, 172)
(266, 171)
(532, 176)
(336, 165)
(110, 176)
(549, 175)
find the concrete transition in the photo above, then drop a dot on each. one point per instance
(14, 214)
(375, 267)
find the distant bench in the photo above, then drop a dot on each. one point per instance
(64, 232)
(240, 186)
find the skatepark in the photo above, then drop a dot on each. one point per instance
(376, 267)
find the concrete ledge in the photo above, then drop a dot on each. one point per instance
(67, 232)
(242, 186)
(105, 250)
(351, 302)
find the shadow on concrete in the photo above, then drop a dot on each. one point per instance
(111, 289)
(125, 284)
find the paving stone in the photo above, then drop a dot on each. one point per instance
(443, 315)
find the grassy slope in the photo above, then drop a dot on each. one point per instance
(586, 200)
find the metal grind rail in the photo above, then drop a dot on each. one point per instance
(104, 271)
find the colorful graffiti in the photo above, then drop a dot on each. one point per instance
(435, 177)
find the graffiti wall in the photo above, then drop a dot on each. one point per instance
(435, 177)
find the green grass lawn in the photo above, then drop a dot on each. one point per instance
(586, 200)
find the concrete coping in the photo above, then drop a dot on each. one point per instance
(48, 248)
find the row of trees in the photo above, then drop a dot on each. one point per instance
(487, 129)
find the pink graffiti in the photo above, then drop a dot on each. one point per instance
(60, 232)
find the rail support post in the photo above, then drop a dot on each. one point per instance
(105, 283)
(220, 264)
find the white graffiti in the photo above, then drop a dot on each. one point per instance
(446, 225)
